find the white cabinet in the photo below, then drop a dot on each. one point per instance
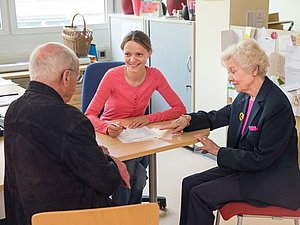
(173, 52)
(119, 26)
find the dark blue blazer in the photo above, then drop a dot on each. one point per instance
(265, 156)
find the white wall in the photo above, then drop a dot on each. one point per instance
(288, 10)
(211, 78)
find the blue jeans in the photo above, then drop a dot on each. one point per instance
(138, 176)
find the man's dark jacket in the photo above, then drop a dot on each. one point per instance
(52, 160)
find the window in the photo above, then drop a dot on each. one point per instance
(0, 21)
(49, 13)
(3, 18)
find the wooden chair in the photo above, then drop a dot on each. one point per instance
(139, 214)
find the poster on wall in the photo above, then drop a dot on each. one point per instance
(151, 8)
(256, 18)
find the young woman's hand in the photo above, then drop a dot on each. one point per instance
(139, 122)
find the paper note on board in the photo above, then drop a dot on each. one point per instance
(284, 41)
(292, 65)
(276, 65)
(265, 41)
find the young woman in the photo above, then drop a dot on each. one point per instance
(125, 91)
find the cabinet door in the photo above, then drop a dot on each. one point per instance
(119, 26)
(172, 44)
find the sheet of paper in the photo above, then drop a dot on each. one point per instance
(276, 65)
(284, 41)
(292, 65)
(4, 82)
(265, 41)
(256, 18)
(6, 100)
(137, 134)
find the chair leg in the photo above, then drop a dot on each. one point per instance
(296, 221)
(239, 220)
(218, 218)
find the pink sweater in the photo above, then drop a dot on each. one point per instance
(120, 100)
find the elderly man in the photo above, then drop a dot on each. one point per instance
(52, 160)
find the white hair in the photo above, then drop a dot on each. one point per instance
(48, 61)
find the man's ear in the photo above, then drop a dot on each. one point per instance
(66, 78)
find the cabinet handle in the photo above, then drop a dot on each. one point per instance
(189, 63)
(188, 86)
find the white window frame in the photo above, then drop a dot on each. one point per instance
(4, 18)
(15, 30)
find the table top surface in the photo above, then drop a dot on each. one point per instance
(123, 151)
(166, 141)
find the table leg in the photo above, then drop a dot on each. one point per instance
(152, 178)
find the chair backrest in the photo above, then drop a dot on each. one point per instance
(139, 214)
(91, 79)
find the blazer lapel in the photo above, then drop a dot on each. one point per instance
(242, 116)
(259, 102)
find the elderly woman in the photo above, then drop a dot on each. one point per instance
(259, 164)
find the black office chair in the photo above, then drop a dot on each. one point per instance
(91, 79)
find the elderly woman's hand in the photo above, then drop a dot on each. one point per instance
(178, 125)
(208, 145)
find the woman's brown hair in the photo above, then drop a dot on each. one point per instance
(139, 37)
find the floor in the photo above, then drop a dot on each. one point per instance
(172, 166)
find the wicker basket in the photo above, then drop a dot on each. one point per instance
(78, 40)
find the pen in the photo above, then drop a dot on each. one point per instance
(116, 124)
(11, 94)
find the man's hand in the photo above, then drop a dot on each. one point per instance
(123, 172)
(104, 149)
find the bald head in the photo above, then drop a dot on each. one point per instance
(49, 60)
(55, 65)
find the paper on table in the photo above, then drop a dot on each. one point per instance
(4, 82)
(7, 99)
(137, 134)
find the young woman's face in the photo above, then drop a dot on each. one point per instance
(135, 56)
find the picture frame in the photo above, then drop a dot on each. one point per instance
(151, 8)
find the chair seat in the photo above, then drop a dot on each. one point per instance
(240, 208)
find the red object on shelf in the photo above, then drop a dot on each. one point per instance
(137, 7)
(127, 7)
(174, 4)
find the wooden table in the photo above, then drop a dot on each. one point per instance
(125, 151)
(167, 141)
